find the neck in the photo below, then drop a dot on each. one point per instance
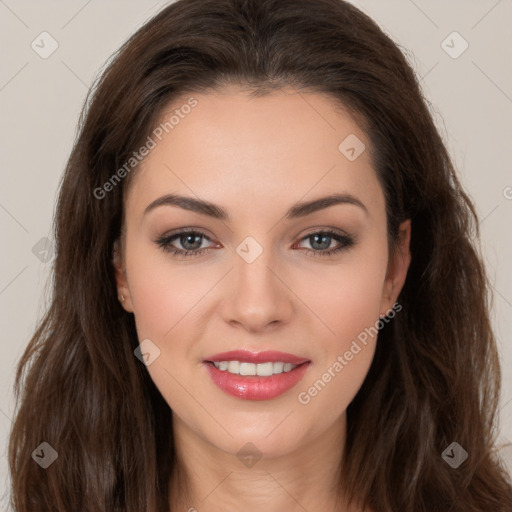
(208, 479)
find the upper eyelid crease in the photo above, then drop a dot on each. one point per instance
(300, 209)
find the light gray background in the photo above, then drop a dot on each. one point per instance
(40, 100)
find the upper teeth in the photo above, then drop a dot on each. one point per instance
(263, 369)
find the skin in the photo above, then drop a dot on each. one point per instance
(256, 158)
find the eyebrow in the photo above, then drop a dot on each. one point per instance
(300, 209)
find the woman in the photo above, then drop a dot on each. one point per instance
(267, 291)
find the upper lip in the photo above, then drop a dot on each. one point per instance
(257, 357)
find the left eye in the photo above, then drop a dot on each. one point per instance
(321, 240)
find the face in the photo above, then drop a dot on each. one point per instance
(253, 265)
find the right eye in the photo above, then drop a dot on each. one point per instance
(190, 240)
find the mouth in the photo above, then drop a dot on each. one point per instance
(255, 376)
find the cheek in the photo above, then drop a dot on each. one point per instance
(346, 298)
(164, 294)
(332, 387)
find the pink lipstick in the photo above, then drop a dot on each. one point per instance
(256, 375)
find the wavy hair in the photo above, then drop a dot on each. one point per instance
(435, 376)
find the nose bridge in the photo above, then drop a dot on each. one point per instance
(254, 273)
(258, 297)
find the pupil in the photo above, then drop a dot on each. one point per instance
(326, 243)
(185, 240)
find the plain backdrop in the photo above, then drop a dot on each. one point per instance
(466, 76)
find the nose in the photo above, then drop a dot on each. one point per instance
(259, 299)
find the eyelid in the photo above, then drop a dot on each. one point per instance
(181, 231)
(341, 237)
(164, 241)
(325, 229)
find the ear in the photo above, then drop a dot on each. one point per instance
(398, 265)
(123, 292)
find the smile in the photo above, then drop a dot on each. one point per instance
(256, 376)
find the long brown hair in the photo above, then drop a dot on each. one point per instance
(435, 377)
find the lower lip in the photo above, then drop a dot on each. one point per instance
(253, 387)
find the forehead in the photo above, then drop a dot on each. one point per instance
(230, 147)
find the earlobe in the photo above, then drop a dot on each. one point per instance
(123, 292)
(398, 266)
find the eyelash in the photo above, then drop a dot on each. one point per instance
(165, 243)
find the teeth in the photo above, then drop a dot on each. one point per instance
(278, 367)
(260, 369)
(265, 369)
(247, 369)
(288, 367)
(234, 367)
